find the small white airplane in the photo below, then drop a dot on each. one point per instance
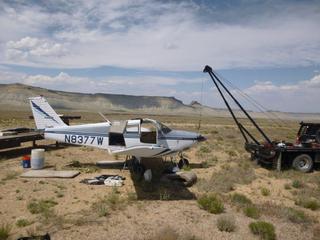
(139, 138)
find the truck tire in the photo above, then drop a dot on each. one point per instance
(303, 163)
(318, 136)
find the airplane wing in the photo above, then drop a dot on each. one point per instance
(140, 151)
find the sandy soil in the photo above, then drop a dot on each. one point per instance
(144, 218)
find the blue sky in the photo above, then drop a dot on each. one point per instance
(269, 49)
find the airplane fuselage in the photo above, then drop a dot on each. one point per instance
(98, 135)
(134, 137)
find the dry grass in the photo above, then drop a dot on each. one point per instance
(226, 223)
(41, 206)
(10, 175)
(290, 214)
(316, 232)
(5, 231)
(168, 233)
(109, 203)
(226, 179)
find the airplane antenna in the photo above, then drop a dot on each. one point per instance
(104, 117)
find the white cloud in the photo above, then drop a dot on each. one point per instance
(61, 78)
(29, 48)
(158, 35)
(313, 83)
(300, 97)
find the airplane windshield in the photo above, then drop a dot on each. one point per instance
(164, 128)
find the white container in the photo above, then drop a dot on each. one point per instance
(147, 175)
(37, 158)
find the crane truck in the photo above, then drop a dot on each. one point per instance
(301, 155)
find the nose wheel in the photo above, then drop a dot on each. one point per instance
(183, 161)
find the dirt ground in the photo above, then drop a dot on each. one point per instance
(140, 210)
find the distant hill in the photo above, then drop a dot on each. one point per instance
(15, 96)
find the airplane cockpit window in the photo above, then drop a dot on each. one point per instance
(148, 132)
(164, 128)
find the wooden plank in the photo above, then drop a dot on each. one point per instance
(16, 140)
(50, 174)
(10, 144)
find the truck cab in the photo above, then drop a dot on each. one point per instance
(308, 133)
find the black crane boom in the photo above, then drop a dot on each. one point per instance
(242, 129)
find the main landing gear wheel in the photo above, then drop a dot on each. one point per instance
(303, 163)
(137, 167)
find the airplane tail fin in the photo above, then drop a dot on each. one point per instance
(43, 113)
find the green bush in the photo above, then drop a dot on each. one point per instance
(296, 216)
(22, 223)
(226, 224)
(265, 191)
(5, 230)
(308, 203)
(41, 206)
(264, 230)
(211, 203)
(297, 184)
(252, 212)
(240, 199)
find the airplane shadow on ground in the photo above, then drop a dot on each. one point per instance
(158, 189)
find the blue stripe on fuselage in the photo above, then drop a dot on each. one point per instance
(107, 135)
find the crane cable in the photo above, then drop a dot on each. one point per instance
(201, 106)
(270, 115)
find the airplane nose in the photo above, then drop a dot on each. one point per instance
(201, 138)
